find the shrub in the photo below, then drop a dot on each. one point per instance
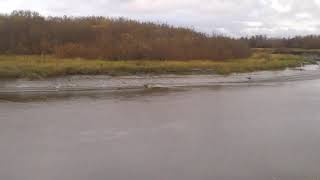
(25, 32)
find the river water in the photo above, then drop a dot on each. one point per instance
(258, 131)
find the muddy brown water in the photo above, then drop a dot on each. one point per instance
(263, 131)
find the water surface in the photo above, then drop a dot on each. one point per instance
(262, 131)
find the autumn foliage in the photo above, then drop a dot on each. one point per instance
(26, 32)
(303, 42)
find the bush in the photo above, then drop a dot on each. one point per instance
(25, 32)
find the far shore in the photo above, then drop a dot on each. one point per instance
(94, 83)
(42, 67)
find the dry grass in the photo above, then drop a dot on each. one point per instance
(49, 66)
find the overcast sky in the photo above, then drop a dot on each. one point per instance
(230, 17)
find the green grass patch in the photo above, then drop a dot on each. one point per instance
(12, 66)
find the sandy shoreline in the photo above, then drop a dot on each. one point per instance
(102, 82)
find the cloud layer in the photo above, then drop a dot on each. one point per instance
(230, 17)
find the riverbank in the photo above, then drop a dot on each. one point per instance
(104, 83)
(38, 67)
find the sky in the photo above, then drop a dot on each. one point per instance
(275, 18)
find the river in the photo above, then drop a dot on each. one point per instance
(242, 131)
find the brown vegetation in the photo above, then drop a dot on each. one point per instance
(303, 42)
(25, 32)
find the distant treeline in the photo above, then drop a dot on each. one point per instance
(26, 32)
(304, 42)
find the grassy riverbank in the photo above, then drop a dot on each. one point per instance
(49, 66)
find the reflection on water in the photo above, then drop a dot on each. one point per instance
(94, 94)
(239, 132)
(124, 94)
